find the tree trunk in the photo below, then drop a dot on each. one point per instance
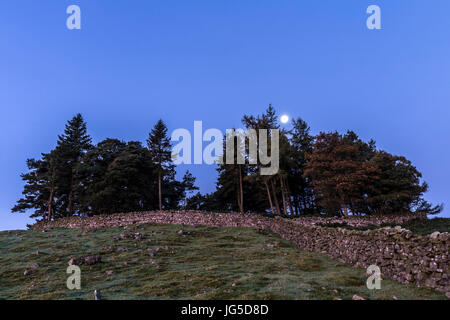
(49, 205)
(238, 198)
(275, 198)
(291, 207)
(289, 198)
(296, 205)
(159, 191)
(241, 192)
(70, 206)
(268, 196)
(283, 196)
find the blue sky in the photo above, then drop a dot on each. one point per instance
(134, 62)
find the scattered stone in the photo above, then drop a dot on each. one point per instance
(180, 232)
(92, 260)
(108, 249)
(28, 272)
(138, 236)
(356, 297)
(34, 266)
(435, 235)
(272, 245)
(76, 262)
(109, 272)
(88, 260)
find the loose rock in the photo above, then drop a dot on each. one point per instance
(92, 260)
(28, 272)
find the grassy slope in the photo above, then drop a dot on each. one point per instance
(208, 263)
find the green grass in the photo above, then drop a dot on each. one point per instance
(417, 226)
(424, 227)
(204, 263)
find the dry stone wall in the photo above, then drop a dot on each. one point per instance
(358, 221)
(401, 255)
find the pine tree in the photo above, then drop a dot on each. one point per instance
(71, 146)
(98, 195)
(52, 177)
(301, 144)
(207, 202)
(188, 184)
(230, 185)
(36, 190)
(75, 136)
(159, 146)
(259, 184)
(119, 177)
(396, 187)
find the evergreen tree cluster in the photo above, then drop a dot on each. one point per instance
(331, 173)
(328, 174)
(78, 178)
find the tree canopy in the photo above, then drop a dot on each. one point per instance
(329, 174)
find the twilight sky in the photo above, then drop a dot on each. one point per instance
(134, 62)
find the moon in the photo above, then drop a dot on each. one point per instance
(284, 118)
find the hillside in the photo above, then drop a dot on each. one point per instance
(155, 261)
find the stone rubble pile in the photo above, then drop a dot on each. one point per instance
(357, 221)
